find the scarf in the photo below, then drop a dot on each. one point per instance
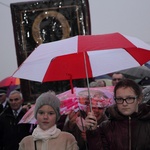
(45, 135)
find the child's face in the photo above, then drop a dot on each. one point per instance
(46, 117)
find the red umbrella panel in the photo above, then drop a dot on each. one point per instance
(9, 81)
(79, 100)
(83, 56)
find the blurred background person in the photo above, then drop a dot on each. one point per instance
(98, 83)
(11, 133)
(3, 100)
(76, 120)
(101, 83)
(116, 77)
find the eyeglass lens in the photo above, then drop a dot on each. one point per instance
(128, 100)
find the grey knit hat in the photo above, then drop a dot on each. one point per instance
(48, 99)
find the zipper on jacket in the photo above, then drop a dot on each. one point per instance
(129, 133)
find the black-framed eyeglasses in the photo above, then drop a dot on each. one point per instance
(128, 100)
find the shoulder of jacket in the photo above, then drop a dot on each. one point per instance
(27, 138)
(105, 123)
(66, 134)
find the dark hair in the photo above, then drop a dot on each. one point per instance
(104, 82)
(128, 83)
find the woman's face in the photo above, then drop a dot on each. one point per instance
(98, 112)
(46, 117)
(125, 108)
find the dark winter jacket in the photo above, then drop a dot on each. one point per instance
(83, 145)
(2, 109)
(76, 132)
(122, 132)
(11, 133)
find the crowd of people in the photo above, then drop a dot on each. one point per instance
(124, 125)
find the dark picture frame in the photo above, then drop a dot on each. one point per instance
(45, 21)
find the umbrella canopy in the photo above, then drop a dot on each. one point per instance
(9, 81)
(101, 97)
(146, 94)
(79, 56)
(137, 72)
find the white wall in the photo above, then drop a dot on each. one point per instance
(131, 17)
(126, 16)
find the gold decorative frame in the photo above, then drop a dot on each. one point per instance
(36, 25)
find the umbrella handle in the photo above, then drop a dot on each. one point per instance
(71, 84)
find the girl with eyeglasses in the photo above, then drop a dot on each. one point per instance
(128, 127)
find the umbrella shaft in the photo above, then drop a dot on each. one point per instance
(87, 79)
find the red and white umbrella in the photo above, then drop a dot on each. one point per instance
(83, 56)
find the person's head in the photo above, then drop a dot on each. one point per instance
(127, 95)
(98, 83)
(98, 112)
(93, 84)
(15, 100)
(47, 110)
(98, 108)
(116, 77)
(99, 102)
(2, 96)
(101, 83)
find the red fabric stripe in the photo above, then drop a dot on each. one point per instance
(140, 55)
(63, 66)
(106, 41)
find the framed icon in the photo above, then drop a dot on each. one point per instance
(38, 22)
